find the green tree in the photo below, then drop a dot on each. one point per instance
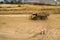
(11, 2)
(1, 2)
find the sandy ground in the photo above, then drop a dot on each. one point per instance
(17, 27)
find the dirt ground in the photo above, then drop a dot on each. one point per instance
(22, 28)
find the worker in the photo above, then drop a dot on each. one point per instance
(42, 31)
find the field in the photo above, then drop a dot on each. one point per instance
(28, 9)
(20, 27)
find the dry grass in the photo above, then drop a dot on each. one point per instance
(31, 9)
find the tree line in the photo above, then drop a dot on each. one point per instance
(12, 2)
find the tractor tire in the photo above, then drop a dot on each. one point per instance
(43, 17)
(35, 18)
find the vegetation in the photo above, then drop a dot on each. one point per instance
(1, 2)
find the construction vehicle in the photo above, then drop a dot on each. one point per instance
(39, 15)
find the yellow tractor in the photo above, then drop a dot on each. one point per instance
(40, 15)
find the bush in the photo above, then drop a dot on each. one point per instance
(1, 2)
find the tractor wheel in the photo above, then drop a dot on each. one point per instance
(43, 17)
